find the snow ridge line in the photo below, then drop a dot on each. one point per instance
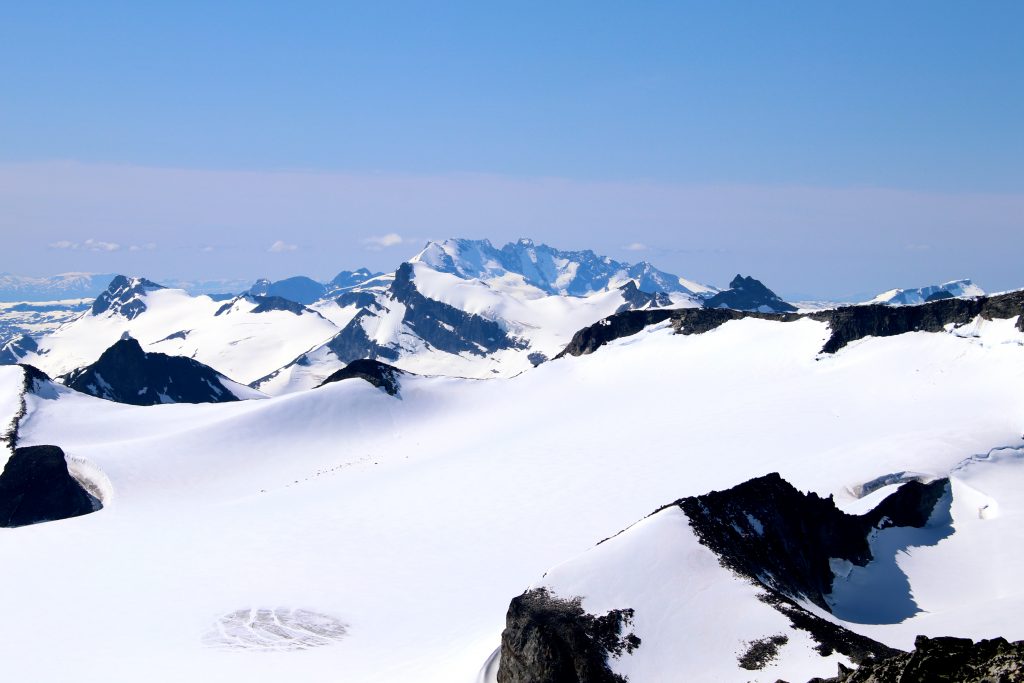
(987, 457)
(10, 436)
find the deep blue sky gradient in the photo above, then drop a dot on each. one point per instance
(910, 96)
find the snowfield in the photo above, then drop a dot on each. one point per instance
(407, 524)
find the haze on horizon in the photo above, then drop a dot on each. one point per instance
(825, 149)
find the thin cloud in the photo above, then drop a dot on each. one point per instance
(636, 246)
(280, 247)
(150, 246)
(88, 245)
(378, 242)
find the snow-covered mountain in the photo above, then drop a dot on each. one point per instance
(244, 338)
(53, 288)
(910, 297)
(748, 294)
(344, 533)
(127, 374)
(573, 273)
(34, 319)
(306, 290)
(438, 323)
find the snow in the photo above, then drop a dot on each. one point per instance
(11, 382)
(908, 297)
(414, 521)
(240, 344)
(693, 617)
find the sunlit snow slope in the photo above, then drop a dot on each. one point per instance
(409, 523)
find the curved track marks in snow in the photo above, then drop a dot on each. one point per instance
(274, 630)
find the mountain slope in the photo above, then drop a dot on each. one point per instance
(414, 521)
(243, 338)
(436, 323)
(127, 374)
(910, 297)
(572, 273)
(53, 288)
(748, 294)
(1002, 315)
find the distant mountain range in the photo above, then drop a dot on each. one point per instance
(459, 307)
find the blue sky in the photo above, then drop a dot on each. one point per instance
(463, 118)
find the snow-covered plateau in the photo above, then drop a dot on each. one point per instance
(390, 533)
(493, 461)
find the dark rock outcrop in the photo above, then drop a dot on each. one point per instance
(439, 325)
(445, 327)
(637, 298)
(764, 530)
(265, 304)
(380, 375)
(552, 640)
(361, 299)
(352, 343)
(35, 486)
(748, 294)
(767, 530)
(847, 324)
(956, 660)
(125, 296)
(127, 374)
(851, 323)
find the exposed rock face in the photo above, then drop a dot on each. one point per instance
(847, 324)
(356, 298)
(36, 486)
(856, 322)
(684, 321)
(763, 530)
(551, 640)
(957, 660)
(768, 531)
(441, 326)
(127, 374)
(13, 351)
(125, 296)
(748, 294)
(446, 327)
(265, 304)
(636, 298)
(380, 375)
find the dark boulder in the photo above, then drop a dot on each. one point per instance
(35, 486)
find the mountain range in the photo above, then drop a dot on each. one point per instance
(512, 465)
